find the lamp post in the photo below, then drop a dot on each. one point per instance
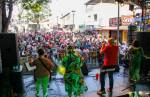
(118, 23)
(57, 23)
(118, 20)
(73, 12)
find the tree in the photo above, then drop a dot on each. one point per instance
(36, 10)
(6, 8)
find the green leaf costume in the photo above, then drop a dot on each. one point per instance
(73, 77)
(135, 55)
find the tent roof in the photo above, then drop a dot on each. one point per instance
(93, 2)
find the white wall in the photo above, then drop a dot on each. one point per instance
(106, 11)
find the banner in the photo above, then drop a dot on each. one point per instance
(126, 20)
(113, 22)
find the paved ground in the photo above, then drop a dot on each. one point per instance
(56, 87)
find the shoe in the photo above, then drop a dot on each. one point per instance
(101, 92)
(109, 90)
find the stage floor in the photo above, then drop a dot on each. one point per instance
(57, 89)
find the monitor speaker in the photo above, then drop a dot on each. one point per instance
(8, 47)
(10, 66)
(131, 33)
(144, 39)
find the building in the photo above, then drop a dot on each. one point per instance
(68, 21)
(68, 13)
(103, 16)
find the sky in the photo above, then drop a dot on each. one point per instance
(65, 6)
(60, 8)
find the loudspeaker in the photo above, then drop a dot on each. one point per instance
(17, 82)
(9, 52)
(10, 66)
(131, 33)
(144, 40)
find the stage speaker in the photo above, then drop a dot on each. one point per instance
(131, 33)
(144, 39)
(9, 52)
(9, 58)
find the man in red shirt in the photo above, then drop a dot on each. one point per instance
(110, 61)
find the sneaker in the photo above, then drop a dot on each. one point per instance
(101, 92)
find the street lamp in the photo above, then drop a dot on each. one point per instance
(57, 23)
(73, 12)
(118, 20)
(118, 23)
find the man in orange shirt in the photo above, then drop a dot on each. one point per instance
(110, 61)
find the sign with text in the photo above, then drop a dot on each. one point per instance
(113, 22)
(126, 20)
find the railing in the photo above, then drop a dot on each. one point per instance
(91, 60)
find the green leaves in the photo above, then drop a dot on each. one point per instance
(36, 10)
(34, 5)
(27, 6)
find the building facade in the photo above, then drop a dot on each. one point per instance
(104, 19)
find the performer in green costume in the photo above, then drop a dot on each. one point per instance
(135, 55)
(73, 78)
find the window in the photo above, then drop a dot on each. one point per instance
(95, 17)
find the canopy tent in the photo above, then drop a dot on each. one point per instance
(114, 28)
(93, 2)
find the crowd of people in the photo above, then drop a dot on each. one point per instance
(73, 50)
(55, 44)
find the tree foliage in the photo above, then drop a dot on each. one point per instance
(36, 10)
(34, 6)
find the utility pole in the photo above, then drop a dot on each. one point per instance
(118, 24)
(57, 23)
(118, 20)
(73, 13)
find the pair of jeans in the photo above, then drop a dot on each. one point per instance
(44, 82)
(102, 78)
